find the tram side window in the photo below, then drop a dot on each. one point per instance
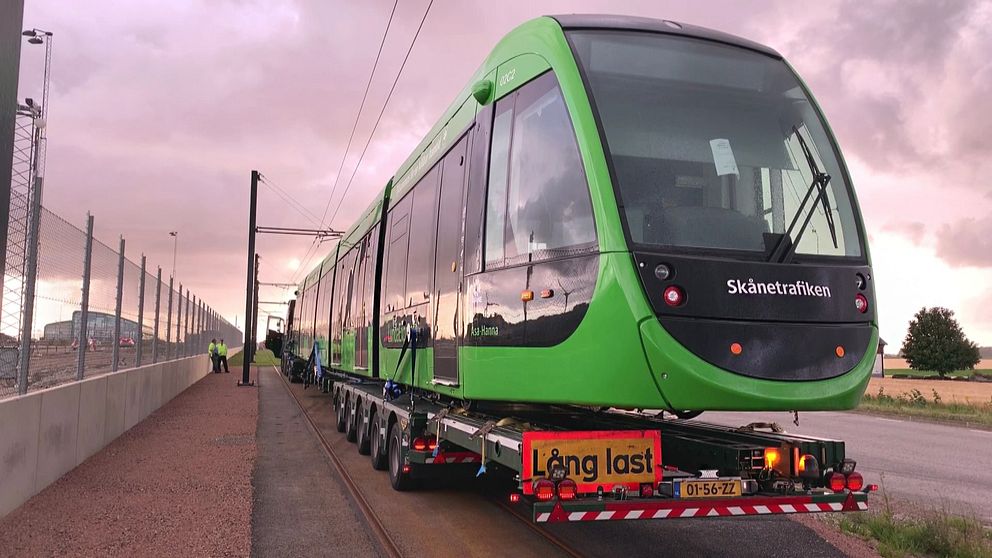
(397, 245)
(538, 202)
(420, 269)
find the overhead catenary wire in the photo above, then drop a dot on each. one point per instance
(381, 112)
(289, 199)
(358, 116)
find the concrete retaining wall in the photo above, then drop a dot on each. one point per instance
(45, 434)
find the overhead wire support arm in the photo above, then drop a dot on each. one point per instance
(318, 233)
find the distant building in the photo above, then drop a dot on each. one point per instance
(99, 324)
(879, 368)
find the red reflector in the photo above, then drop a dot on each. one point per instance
(544, 490)
(420, 444)
(567, 490)
(861, 303)
(855, 482)
(406, 469)
(872, 488)
(514, 498)
(647, 490)
(674, 296)
(836, 482)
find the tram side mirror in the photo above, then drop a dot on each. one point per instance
(482, 90)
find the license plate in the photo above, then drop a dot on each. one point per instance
(708, 489)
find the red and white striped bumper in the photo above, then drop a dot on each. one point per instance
(444, 458)
(674, 509)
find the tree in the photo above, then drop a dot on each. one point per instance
(936, 342)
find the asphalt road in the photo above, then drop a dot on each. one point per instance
(935, 466)
(454, 516)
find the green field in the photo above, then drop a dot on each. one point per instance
(263, 357)
(894, 372)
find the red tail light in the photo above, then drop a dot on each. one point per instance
(861, 303)
(674, 296)
(420, 444)
(544, 490)
(837, 482)
(855, 482)
(647, 490)
(567, 490)
(431, 442)
(514, 498)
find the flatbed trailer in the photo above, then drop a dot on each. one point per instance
(577, 464)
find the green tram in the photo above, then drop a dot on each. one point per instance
(616, 211)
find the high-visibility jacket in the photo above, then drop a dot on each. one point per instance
(211, 349)
(221, 349)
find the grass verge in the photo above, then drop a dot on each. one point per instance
(915, 404)
(910, 373)
(938, 534)
(262, 357)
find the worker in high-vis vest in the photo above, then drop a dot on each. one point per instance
(214, 356)
(222, 353)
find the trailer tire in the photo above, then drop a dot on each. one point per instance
(397, 478)
(349, 429)
(339, 411)
(362, 428)
(377, 447)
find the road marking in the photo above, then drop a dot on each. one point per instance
(980, 431)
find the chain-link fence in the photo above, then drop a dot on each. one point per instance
(94, 311)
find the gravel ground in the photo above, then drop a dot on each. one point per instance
(177, 484)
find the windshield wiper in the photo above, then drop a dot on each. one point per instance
(786, 245)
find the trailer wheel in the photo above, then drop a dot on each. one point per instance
(362, 435)
(397, 478)
(349, 428)
(377, 451)
(339, 410)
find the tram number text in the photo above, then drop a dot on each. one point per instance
(507, 77)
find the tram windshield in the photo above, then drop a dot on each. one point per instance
(715, 147)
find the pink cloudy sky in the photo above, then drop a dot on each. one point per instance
(159, 111)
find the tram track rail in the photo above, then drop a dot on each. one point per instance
(385, 540)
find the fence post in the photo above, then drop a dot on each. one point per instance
(168, 324)
(30, 278)
(192, 330)
(115, 364)
(179, 320)
(158, 299)
(84, 306)
(141, 315)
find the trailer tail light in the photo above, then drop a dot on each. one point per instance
(544, 490)
(674, 296)
(861, 303)
(836, 482)
(567, 490)
(855, 482)
(808, 466)
(420, 444)
(773, 456)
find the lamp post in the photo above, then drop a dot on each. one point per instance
(175, 248)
